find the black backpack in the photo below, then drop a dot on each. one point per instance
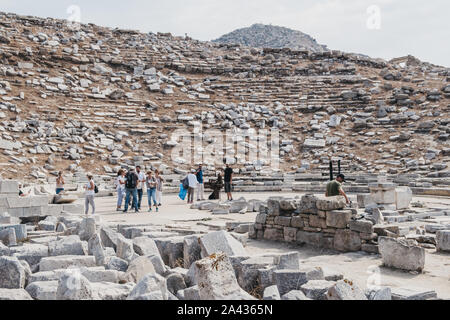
(95, 189)
(131, 180)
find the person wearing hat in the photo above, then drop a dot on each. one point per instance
(334, 188)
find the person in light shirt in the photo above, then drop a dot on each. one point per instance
(120, 187)
(192, 178)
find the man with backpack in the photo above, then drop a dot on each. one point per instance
(131, 189)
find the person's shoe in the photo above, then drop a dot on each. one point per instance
(159, 205)
(156, 209)
(136, 211)
(149, 209)
(125, 211)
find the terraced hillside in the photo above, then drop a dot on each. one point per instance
(98, 98)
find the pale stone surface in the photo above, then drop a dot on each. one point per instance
(217, 281)
(401, 255)
(345, 290)
(221, 241)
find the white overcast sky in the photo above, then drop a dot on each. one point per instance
(417, 27)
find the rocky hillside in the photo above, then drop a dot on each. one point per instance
(98, 98)
(268, 36)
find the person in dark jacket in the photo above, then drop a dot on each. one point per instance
(131, 185)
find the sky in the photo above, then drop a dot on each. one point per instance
(378, 28)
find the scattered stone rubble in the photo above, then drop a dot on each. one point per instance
(93, 260)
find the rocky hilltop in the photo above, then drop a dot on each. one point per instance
(268, 36)
(98, 98)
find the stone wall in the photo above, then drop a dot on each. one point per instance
(318, 221)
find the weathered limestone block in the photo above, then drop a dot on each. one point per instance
(362, 226)
(149, 285)
(125, 249)
(403, 197)
(9, 187)
(12, 273)
(111, 291)
(273, 207)
(317, 289)
(271, 293)
(87, 228)
(273, 234)
(378, 293)
(8, 237)
(288, 205)
(297, 222)
(331, 203)
(288, 280)
(261, 218)
(138, 268)
(443, 240)
(247, 273)
(43, 290)
(412, 294)
(317, 222)
(74, 286)
(221, 241)
(217, 280)
(338, 218)
(96, 249)
(290, 234)
(295, 295)
(383, 193)
(145, 246)
(19, 229)
(345, 290)
(283, 221)
(63, 262)
(68, 246)
(401, 254)
(109, 237)
(191, 250)
(307, 204)
(347, 241)
(14, 294)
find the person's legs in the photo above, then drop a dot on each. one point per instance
(140, 193)
(135, 200)
(127, 199)
(149, 197)
(153, 194)
(190, 195)
(86, 204)
(202, 193)
(159, 197)
(119, 198)
(92, 202)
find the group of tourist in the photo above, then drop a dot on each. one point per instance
(130, 184)
(195, 181)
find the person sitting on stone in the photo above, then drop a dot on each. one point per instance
(334, 188)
